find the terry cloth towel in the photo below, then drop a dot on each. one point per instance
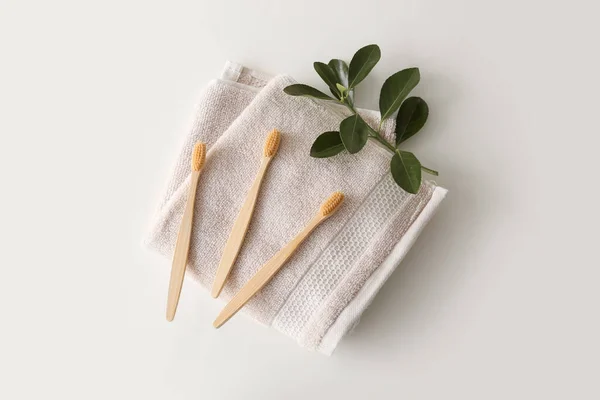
(319, 295)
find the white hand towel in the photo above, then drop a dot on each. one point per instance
(320, 293)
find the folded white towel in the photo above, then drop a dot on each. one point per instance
(324, 288)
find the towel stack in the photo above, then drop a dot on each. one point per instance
(321, 292)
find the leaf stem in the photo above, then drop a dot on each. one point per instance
(430, 171)
(375, 134)
(384, 142)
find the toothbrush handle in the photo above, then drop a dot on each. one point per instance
(182, 249)
(238, 232)
(264, 274)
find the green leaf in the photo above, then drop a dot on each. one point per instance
(305, 90)
(354, 133)
(329, 77)
(411, 118)
(395, 89)
(340, 68)
(328, 144)
(362, 63)
(341, 71)
(406, 170)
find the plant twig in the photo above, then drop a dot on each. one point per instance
(430, 171)
(354, 131)
(375, 135)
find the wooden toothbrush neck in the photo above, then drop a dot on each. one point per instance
(314, 222)
(265, 161)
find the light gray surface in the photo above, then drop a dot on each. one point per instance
(498, 299)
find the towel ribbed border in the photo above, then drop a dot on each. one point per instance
(351, 314)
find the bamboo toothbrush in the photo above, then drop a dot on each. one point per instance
(185, 230)
(240, 227)
(267, 271)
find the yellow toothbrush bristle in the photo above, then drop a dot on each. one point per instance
(198, 156)
(332, 204)
(272, 143)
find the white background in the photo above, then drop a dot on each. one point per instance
(498, 299)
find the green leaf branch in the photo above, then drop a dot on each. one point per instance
(354, 132)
